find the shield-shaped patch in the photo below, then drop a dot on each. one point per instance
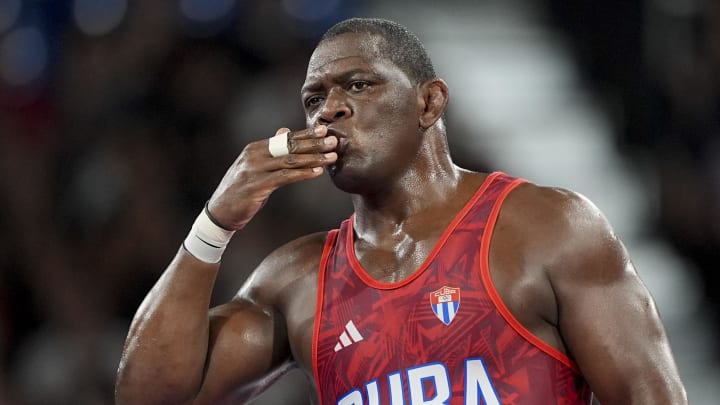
(445, 303)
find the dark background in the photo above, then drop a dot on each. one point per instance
(118, 118)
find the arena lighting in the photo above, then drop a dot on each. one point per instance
(9, 13)
(98, 17)
(23, 56)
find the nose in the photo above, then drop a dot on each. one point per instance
(335, 107)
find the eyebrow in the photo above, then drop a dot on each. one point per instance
(340, 78)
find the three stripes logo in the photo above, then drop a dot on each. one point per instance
(349, 336)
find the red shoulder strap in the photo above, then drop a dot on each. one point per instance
(329, 245)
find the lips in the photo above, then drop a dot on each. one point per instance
(342, 140)
(339, 149)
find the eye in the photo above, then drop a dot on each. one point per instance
(359, 85)
(313, 101)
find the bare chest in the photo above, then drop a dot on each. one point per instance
(394, 262)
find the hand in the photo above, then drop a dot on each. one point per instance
(255, 174)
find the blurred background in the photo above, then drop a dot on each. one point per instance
(119, 117)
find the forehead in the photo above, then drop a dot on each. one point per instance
(347, 51)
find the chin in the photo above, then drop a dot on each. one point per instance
(353, 182)
(343, 182)
(342, 178)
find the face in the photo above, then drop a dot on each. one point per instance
(369, 104)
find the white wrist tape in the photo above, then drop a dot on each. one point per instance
(207, 241)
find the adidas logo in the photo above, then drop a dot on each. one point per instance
(349, 336)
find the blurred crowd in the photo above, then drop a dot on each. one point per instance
(656, 65)
(118, 120)
(108, 154)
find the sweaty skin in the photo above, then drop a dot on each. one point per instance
(554, 259)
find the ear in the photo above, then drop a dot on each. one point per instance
(432, 99)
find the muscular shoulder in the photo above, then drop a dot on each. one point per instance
(287, 266)
(560, 228)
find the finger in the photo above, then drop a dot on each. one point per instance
(309, 140)
(315, 132)
(307, 133)
(302, 161)
(314, 145)
(281, 130)
(284, 177)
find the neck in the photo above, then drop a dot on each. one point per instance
(423, 188)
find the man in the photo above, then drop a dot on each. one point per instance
(445, 286)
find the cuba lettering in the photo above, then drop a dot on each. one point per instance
(479, 389)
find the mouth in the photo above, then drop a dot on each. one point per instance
(336, 133)
(339, 149)
(342, 141)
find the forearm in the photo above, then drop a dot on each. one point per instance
(164, 355)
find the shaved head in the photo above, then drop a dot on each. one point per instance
(400, 46)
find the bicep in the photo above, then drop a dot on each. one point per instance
(612, 329)
(247, 350)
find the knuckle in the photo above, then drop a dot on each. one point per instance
(254, 149)
(291, 160)
(256, 145)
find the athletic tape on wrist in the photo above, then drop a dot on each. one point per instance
(207, 241)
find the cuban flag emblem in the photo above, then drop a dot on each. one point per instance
(445, 303)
